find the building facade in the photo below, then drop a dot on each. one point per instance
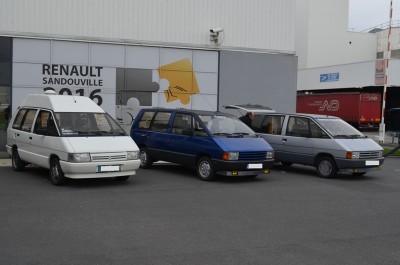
(189, 54)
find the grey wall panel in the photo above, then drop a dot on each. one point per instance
(107, 55)
(142, 57)
(31, 50)
(258, 78)
(204, 61)
(68, 52)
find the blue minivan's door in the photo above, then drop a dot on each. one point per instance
(154, 136)
(188, 139)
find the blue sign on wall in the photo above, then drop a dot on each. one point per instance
(330, 77)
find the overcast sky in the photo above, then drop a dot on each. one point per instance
(364, 14)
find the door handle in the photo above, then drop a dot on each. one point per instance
(284, 140)
(30, 138)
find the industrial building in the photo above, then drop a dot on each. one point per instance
(190, 54)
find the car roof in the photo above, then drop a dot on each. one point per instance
(196, 111)
(61, 103)
(259, 109)
(251, 108)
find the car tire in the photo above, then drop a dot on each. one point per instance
(17, 163)
(56, 174)
(326, 167)
(145, 159)
(205, 169)
(122, 178)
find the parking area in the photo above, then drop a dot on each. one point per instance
(165, 215)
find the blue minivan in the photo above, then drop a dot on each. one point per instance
(215, 143)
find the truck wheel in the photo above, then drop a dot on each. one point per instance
(205, 169)
(17, 163)
(56, 174)
(145, 159)
(326, 167)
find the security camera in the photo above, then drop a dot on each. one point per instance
(216, 30)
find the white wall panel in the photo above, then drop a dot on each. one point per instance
(107, 55)
(70, 52)
(39, 50)
(255, 24)
(350, 75)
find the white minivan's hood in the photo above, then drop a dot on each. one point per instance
(102, 144)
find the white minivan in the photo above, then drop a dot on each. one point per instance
(72, 136)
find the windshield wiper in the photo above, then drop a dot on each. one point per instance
(355, 136)
(341, 136)
(223, 134)
(241, 133)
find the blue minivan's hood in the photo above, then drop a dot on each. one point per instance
(243, 144)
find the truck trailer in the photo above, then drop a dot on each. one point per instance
(360, 109)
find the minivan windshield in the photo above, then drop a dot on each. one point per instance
(228, 126)
(338, 128)
(87, 124)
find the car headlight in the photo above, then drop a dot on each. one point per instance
(230, 156)
(352, 155)
(78, 157)
(270, 155)
(132, 155)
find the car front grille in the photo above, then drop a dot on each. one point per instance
(252, 156)
(370, 154)
(105, 157)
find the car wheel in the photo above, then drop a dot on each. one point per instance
(145, 159)
(56, 174)
(205, 169)
(17, 163)
(326, 167)
(122, 178)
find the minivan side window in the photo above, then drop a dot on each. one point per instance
(272, 124)
(26, 122)
(316, 131)
(198, 129)
(181, 124)
(256, 124)
(160, 122)
(44, 124)
(145, 121)
(19, 118)
(298, 127)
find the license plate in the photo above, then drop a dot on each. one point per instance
(109, 168)
(371, 163)
(255, 166)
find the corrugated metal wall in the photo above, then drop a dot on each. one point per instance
(248, 24)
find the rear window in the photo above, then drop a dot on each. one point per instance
(268, 124)
(24, 119)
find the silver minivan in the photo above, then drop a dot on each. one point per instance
(326, 142)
